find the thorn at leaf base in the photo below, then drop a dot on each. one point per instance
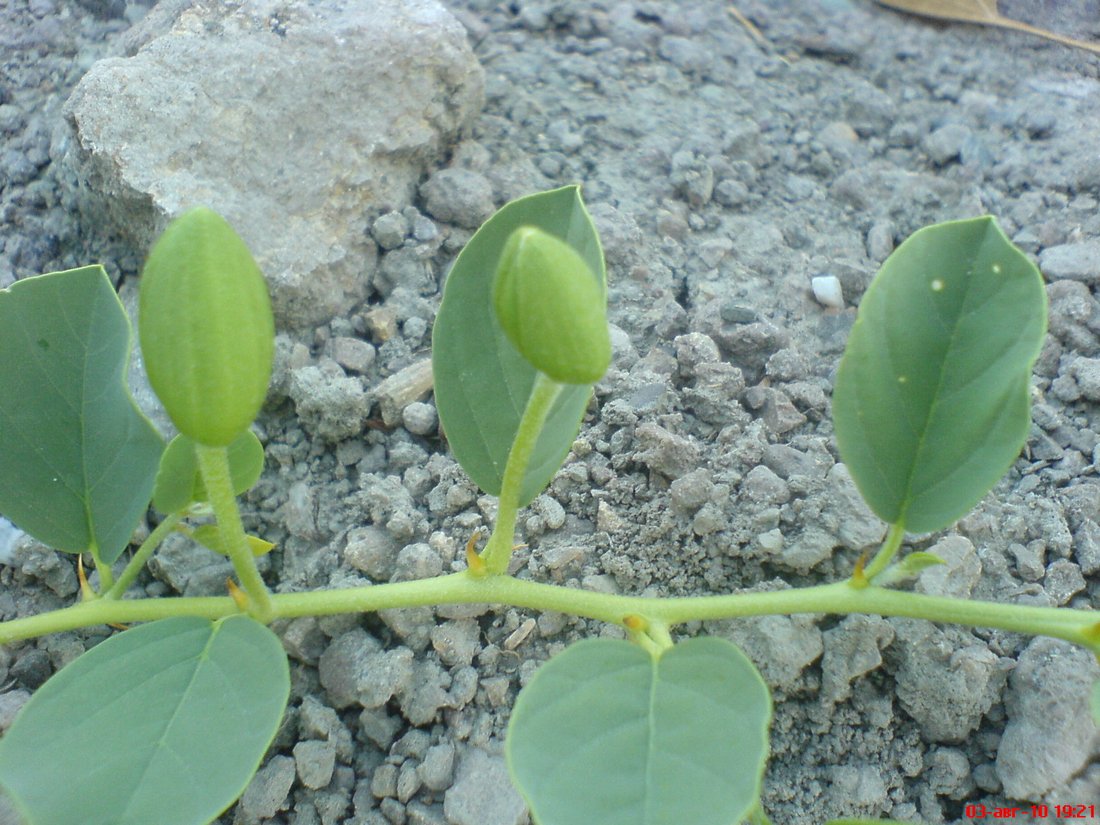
(474, 562)
(86, 591)
(238, 595)
(859, 579)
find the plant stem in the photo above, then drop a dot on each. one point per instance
(106, 576)
(1074, 625)
(214, 465)
(133, 567)
(887, 552)
(498, 552)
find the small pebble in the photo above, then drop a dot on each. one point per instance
(420, 418)
(827, 291)
(389, 230)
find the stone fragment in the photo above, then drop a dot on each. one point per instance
(762, 486)
(416, 561)
(949, 774)
(852, 648)
(482, 793)
(408, 781)
(692, 491)
(330, 404)
(390, 230)
(1086, 372)
(666, 453)
(782, 646)
(425, 694)
(11, 702)
(420, 418)
(458, 196)
(266, 794)
(352, 353)
(941, 663)
(372, 550)
(342, 665)
(828, 291)
(1048, 738)
(457, 642)
(1063, 581)
(297, 131)
(303, 639)
(437, 768)
(384, 674)
(856, 526)
(1074, 261)
(314, 761)
(959, 572)
(383, 782)
(403, 388)
(946, 143)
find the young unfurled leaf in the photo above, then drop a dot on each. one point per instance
(77, 458)
(179, 482)
(209, 536)
(207, 331)
(552, 308)
(908, 568)
(931, 401)
(606, 733)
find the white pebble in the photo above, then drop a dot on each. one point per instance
(828, 291)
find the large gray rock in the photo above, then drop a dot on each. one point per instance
(301, 122)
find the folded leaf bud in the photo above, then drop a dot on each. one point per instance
(552, 307)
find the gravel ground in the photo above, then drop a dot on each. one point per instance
(725, 169)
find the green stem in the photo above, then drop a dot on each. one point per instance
(1074, 625)
(887, 552)
(133, 567)
(498, 552)
(106, 575)
(214, 465)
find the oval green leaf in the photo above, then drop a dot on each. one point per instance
(207, 331)
(931, 399)
(78, 457)
(606, 733)
(164, 723)
(482, 383)
(179, 482)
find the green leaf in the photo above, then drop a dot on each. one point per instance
(210, 536)
(207, 331)
(606, 733)
(552, 307)
(78, 458)
(931, 399)
(164, 723)
(482, 383)
(179, 482)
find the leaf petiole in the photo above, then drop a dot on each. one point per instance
(886, 553)
(133, 567)
(214, 465)
(498, 552)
